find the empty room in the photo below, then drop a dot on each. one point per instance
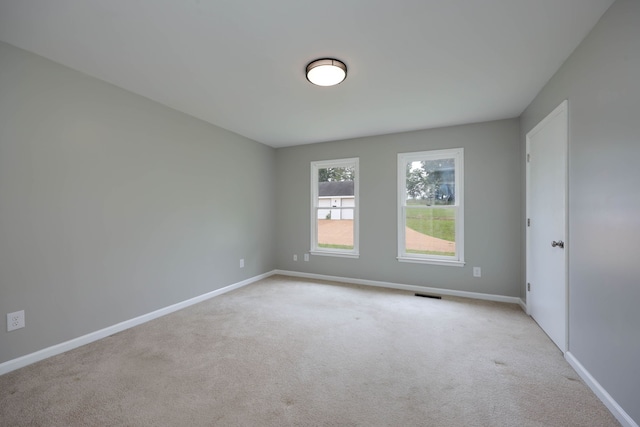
(347, 213)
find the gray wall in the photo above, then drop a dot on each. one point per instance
(112, 206)
(492, 210)
(601, 80)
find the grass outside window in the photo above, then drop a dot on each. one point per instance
(435, 222)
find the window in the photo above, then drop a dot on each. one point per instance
(334, 207)
(430, 207)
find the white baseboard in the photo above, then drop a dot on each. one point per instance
(54, 350)
(28, 359)
(523, 305)
(412, 288)
(617, 411)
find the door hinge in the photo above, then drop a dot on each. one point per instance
(528, 286)
(528, 157)
(528, 222)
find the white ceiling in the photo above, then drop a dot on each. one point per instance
(412, 64)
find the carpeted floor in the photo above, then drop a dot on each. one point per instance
(290, 352)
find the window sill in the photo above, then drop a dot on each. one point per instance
(335, 254)
(450, 263)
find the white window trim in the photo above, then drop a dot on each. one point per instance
(403, 159)
(315, 167)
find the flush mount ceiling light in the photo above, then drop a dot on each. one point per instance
(326, 72)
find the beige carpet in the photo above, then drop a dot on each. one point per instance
(288, 352)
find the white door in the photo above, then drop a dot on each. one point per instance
(336, 213)
(546, 225)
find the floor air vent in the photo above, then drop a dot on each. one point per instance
(428, 296)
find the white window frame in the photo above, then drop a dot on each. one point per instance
(315, 248)
(403, 158)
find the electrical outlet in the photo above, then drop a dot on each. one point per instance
(477, 272)
(15, 320)
(295, 257)
(306, 257)
(242, 263)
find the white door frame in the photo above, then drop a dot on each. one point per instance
(558, 110)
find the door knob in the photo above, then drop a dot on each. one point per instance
(559, 244)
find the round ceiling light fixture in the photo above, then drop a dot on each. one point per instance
(326, 72)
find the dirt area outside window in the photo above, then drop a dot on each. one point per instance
(340, 232)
